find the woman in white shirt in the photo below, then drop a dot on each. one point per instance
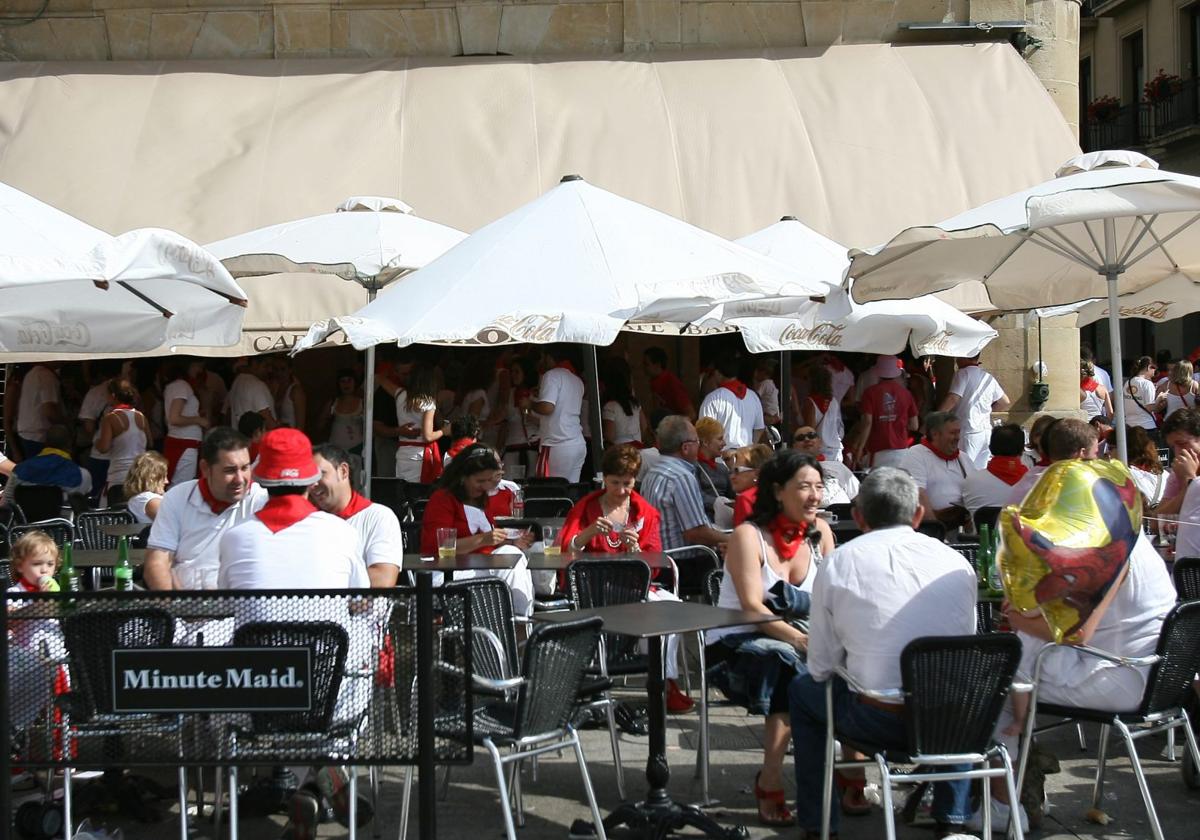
(621, 415)
(145, 485)
(186, 421)
(823, 412)
(1140, 399)
(123, 432)
(1145, 466)
(1181, 389)
(416, 410)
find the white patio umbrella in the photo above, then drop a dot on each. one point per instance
(926, 325)
(369, 240)
(1166, 300)
(1110, 224)
(69, 289)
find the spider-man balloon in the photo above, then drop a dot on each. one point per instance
(1068, 543)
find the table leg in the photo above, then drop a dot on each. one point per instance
(658, 816)
(427, 778)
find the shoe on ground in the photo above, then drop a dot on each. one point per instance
(302, 816)
(632, 720)
(678, 703)
(1001, 814)
(581, 830)
(334, 784)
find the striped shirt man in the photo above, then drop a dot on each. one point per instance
(672, 488)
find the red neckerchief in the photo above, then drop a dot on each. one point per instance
(1043, 461)
(284, 511)
(787, 535)
(1007, 468)
(357, 504)
(214, 504)
(735, 387)
(821, 402)
(711, 463)
(565, 364)
(946, 458)
(820, 456)
(27, 586)
(835, 364)
(122, 407)
(458, 446)
(1089, 384)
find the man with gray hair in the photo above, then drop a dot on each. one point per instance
(671, 486)
(940, 469)
(873, 596)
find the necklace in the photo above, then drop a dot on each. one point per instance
(613, 538)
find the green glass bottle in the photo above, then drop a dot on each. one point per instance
(123, 571)
(983, 560)
(995, 578)
(67, 577)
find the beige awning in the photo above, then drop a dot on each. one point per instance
(858, 142)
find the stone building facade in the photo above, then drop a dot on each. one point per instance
(48, 30)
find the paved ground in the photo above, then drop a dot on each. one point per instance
(556, 799)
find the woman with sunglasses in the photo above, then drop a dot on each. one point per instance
(841, 485)
(460, 502)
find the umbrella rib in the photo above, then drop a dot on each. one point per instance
(1022, 237)
(1161, 243)
(1062, 252)
(1087, 225)
(885, 263)
(1130, 241)
(1070, 247)
(166, 313)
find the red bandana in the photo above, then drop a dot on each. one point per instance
(711, 463)
(834, 364)
(821, 402)
(1089, 384)
(787, 535)
(820, 456)
(946, 458)
(458, 446)
(283, 511)
(357, 504)
(1007, 468)
(214, 504)
(122, 407)
(1043, 461)
(29, 587)
(736, 387)
(565, 364)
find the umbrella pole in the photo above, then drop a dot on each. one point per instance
(1114, 338)
(369, 411)
(787, 421)
(591, 375)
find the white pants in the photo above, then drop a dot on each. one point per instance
(887, 458)
(671, 656)
(408, 462)
(566, 460)
(975, 446)
(185, 467)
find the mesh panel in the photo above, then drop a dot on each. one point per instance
(1179, 659)
(969, 550)
(192, 678)
(60, 530)
(712, 585)
(556, 657)
(955, 687)
(1187, 578)
(89, 528)
(607, 583)
(491, 611)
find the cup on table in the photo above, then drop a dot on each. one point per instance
(447, 542)
(550, 540)
(828, 516)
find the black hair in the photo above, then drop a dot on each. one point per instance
(655, 356)
(729, 366)
(1008, 439)
(287, 490)
(529, 373)
(475, 458)
(221, 439)
(251, 423)
(619, 387)
(346, 373)
(775, 473)
(464, 426)
(332, 453)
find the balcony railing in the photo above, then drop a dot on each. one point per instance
(1146, 122)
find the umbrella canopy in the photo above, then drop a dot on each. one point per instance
(574, 265)
(1110, 224)
(927, 325)
(67, 288)
(373, 246)
(1166, 300)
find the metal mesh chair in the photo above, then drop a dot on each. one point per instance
(1173, 666)
(953, 689)
(1187, 578)
(547, 507)
(692, 564)
(555, 489)
(932, 528)
(89, 531)
(88, 722)
(60, 530)
(538, 722)
(494, 654)
(270, 735)
(969, 550)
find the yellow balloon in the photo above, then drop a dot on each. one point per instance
(1069, 541)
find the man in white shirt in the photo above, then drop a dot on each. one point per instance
(736, 407)
(559, 402)
(872, 597)
(183, 550)
(841, 484)
(40, 407)
(1182, 433)
(940, 469)
(974, 395)
(379, 533)
(249, 392)
(841, 377)
(1062, 440)
(993, 485)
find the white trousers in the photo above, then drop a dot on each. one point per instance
(671, 655)
(975, 446)
(566, 460)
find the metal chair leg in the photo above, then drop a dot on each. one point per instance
(373, 777)
(616, 745)
(1171, 744)
(687, 671)
(885, 784)
(702, 754)
(1082, 740)
(1013, 795)
(827, 781)
(518, 802)
(67, 828)
(353, 772)
(218, 802)
(183, 818)
(1141, 779)
(445, 785)
(405, 802)
(597, 820)
(986, 804)
(498, 764)
(1101, 758)
(233, 802)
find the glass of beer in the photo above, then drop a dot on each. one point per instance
(447, 542)
(550, 540)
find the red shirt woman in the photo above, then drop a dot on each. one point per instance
(616, 519)
(466, 483)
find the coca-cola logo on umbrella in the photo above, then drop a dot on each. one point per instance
(41, 333)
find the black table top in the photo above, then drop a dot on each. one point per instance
(661, 618)
(535, 560)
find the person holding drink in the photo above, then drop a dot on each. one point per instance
(618, 520)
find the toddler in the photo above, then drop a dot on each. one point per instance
(34, 563)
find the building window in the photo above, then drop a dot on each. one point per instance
(1133, 66)
(1191, 28)
(1085, 85)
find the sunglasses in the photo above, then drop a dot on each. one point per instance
(805, 436)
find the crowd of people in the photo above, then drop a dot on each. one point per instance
(232, 504)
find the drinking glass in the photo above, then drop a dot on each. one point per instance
(550, 540)
(447, 542)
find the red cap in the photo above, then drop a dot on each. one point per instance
(285, 458)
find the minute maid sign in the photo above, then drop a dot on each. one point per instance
(218, 679)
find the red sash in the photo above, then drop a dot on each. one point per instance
(542, 468)
(431, 463)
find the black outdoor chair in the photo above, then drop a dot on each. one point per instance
(969, 550)
(1187, 578)
(953, 689)
(388, 492)
(414, 491)
(555, 490)
(1173, 666)
(546, 481)
(39, 501)
(988, 515)
(841, 536)
(550, 507)
(60, 530)
(932, 528)
(88, 724)
(842, 510)
(89, 531)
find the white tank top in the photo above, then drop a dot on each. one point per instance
(124, 448)
(1176, 401)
